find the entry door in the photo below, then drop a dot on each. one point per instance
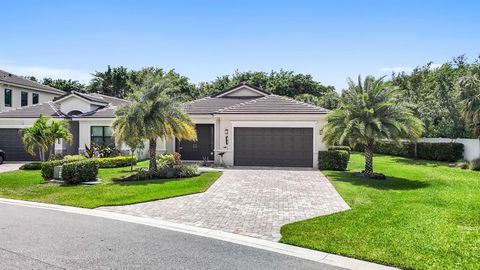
(282, 147)
(200, 149)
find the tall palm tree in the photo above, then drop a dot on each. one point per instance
(152, 114)
(370, 111)
(470, 101)
(43, 133)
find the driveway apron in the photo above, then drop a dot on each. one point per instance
(251, 202)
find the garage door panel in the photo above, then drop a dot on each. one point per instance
(284, 147)
(11, 143)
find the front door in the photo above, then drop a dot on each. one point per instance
(202, 149)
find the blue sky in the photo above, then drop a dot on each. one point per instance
(204, 39)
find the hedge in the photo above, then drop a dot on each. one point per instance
(116, 162)
(475, 165)
(340, 147)
(47, 168)
(336, 160)
(80, 171)
(32, 166)
(429, 151)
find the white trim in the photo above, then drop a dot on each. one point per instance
(81, 98)
(298, 252)
(242, 86)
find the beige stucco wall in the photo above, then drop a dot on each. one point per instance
(74, 103)
(16, 96)
(229, 122)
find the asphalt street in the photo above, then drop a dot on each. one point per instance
(34, 238)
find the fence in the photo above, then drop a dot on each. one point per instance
(471, 147)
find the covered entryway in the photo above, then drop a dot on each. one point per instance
(11, 143)
(202, 149)
(282, 147)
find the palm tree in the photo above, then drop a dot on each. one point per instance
(43, 134)
(152, 114)
(58, 129)
(470, 101)
(370, 112)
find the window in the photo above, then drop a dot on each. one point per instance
(34, 98)
(24, 98)
(102, 135)
(8, 98)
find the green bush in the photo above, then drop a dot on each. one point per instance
(116, 162)
(55, 157)
(47, 168)
(440, 151)
(184, 171)
(168, 159)
(475, 165)
(70, 158)
(80, 171)
(340, 147)
(336, 160)
(32, 166)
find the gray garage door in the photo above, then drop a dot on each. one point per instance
(11, 143)
(283, 147)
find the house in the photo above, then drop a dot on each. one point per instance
(16, 92)
(242, 126)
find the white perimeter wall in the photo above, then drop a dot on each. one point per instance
(471, 147)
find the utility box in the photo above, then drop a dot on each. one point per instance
(57, 172)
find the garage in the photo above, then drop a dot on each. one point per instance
(11, 143)
(280, 147)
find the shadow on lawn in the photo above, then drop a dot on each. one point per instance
(419, 162)
(391, 183)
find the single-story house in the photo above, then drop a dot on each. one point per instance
(242, 126)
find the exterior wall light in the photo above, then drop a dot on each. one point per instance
(226, 131)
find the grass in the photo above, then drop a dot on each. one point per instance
(426, 215)
(29, 185)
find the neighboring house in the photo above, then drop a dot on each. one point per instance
(16, 92)
(246, 125)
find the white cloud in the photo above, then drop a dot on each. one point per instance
(435, 66)
(396, 69)
(41, 72)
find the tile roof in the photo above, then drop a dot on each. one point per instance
(240, 85)
(271, 104)
(47, 109)
(7, 78)
(209, 105)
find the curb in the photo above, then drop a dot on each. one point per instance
(308, 254)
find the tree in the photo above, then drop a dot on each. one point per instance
(371, 111)
(154, 113)
(43, 133)
(112, 82)
(285, 83)
(65, 85)
(329, 101)
(470, 101)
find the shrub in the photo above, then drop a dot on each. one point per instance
(31, 166)
(47, 168)
(168, 159)
(70, 158)
(440, 151)
(462, 164)
(475, 165)
(106, 151)
(55, 157)
(333, 160)
(116, 162)
(80, 171)
(340, 147)
(187, 171)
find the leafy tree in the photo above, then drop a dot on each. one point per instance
(154, 113)
(282, 82)
(65, 85)
(43, 133)
(370, 111)
(329, 100)
(469, 95)
(112, 82)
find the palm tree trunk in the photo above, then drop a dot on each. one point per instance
(152, 151)
(368, 159)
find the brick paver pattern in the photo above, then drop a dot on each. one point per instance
(249, 202)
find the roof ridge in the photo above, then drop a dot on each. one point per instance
(241, 104)
(31, 81)
(57, 111)
(301, 102)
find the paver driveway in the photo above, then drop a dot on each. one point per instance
(9, 166)
(252, 202)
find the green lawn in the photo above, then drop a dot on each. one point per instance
(29, 185)
(426, 215)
